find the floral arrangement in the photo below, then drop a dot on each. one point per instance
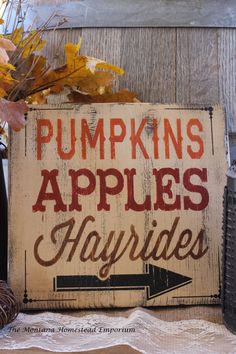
(26, 77)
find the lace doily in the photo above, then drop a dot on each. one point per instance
(141, 331)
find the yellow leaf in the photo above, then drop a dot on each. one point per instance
(89, 75)
(78, 45)
(71, 51)
(78, 69)
(67, 75)
(2, 92)
(96, 83)
(5, 79)
(37, 98)
(7, 82)
(106, 66)
(17, 35)
(75, 68)
(28, 43)
(1, 21)
(32, 43)
(6, 67)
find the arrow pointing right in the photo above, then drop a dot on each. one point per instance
(156, 281)
(163, 280)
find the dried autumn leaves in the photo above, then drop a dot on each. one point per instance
(11, 112)
(28, 77)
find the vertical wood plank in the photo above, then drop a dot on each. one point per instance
(197, 66)
(148, 57)
(54, 49)
(227, 74)
(103, 43)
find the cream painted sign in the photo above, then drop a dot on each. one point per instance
(117, 205)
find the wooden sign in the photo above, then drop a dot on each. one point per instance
(117, 205)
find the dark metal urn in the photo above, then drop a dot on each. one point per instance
(3, 224)
(229, 251)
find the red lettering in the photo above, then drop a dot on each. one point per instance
(116, 138)
(92, 140)
(177, 142)
(161, 190)
(136, 138)
(202, 174)
(131, 203)
(77, 190)
(105, 189)
(155, 139)
(66, 155)
(49, 177)
(43, 139)
(195, 138)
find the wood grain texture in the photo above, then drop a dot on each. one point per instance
(56, 40)
(104, 43)
(197, 69)
(148, 57)
(167, 65)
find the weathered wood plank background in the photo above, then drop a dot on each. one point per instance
(166, 65)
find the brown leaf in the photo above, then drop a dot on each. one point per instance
(37, 98)
(13, 113)
(121, 96)
(95, 84)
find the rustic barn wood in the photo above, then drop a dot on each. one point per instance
(196, 64)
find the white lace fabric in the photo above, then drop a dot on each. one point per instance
(140, 330)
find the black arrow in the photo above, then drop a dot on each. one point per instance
(157, 281)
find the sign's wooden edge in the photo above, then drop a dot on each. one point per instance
(176, 105)
(179, 107)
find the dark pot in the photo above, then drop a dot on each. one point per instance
(3, 225)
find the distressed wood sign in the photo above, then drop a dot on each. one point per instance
(117, 205)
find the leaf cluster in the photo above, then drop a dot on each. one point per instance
(29, 77)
